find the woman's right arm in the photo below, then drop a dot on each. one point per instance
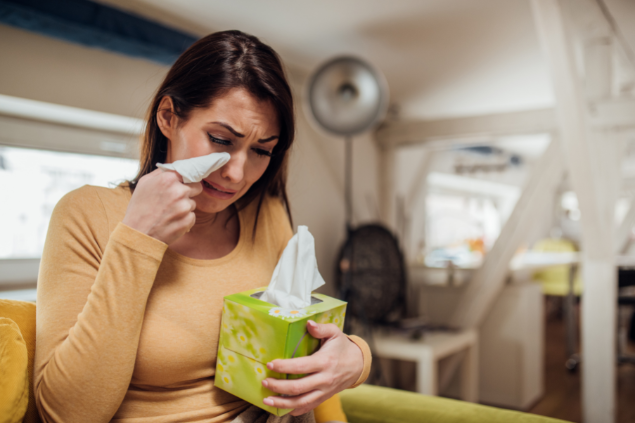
(91, 299)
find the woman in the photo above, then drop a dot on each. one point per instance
(132, 279)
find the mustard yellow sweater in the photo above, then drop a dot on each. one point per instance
(127, 329)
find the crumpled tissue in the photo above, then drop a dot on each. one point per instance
(197, 168)
(296, 274)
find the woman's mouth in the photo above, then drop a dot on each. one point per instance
(217, 191)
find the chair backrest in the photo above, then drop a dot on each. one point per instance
(23, 314)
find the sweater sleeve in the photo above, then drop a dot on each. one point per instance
(91, 299)
(367, 357)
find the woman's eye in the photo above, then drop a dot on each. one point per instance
(219, 140)
(261, 152)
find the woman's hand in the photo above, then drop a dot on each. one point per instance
(335, 367)
(162, 206)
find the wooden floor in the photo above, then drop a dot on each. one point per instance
(562, 389)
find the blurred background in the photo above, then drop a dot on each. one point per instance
(503, 168)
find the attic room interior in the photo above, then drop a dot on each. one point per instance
(285, 211)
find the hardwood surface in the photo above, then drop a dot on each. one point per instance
(562, 388)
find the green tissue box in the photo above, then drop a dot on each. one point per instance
(254, 332)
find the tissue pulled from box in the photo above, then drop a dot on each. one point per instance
(296, 274)
(197, 168)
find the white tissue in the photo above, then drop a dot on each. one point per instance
(296, 274)
(197, 168)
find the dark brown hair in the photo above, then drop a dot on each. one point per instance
(207, 70)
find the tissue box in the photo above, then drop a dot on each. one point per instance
(254, 332)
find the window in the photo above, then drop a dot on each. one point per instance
(33, 181)
(460, 229)
(47, 150)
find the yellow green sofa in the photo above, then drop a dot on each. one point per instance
(365, 404)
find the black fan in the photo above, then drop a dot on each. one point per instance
(370, 275)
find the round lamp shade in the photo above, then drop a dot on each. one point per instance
(347, 96)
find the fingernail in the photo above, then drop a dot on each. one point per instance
(268, 401)
(270, 366)
(265, 383)
(312, 323)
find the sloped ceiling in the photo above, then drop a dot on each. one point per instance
(440, 57)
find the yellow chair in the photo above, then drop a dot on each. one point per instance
(555, 279)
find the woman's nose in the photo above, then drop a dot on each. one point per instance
(234, 170)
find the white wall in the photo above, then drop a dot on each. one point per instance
(46, 69)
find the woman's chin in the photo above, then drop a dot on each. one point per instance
(209, 204)
(210, 207)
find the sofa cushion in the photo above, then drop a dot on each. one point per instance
(23, 313)
(14, 383)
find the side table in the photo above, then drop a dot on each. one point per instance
(428, 351)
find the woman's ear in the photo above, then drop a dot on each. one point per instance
(166, 118)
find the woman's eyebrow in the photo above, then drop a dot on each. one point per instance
(230, 129)
(266, 140)
(238, 134)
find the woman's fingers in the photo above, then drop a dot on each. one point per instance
(336, 366)
(162, 206)
(294, 387)
(195, 189)
(309, 364)
(299, 366)
(324, 331)
(299, 404)
(191, 221)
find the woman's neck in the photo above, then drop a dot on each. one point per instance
(214, 235)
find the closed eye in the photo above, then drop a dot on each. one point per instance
(219, 140)
(261, 152)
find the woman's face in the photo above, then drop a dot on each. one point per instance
(236, 123)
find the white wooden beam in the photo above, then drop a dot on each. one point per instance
(415, 229)
(414, 193)
(598, 60)
(604, 113)
(592, 165)
(477, 128)
(488, 281)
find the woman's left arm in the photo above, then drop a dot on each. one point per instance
(340, 363)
